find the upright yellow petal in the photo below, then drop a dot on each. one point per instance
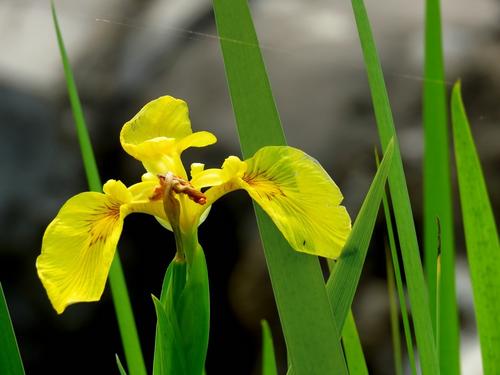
(301, 199)
(159, 133)
(165, 117)
(79, 244)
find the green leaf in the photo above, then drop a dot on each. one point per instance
(355, 357)
(438, 196)
(343, 280)
(194, 312)
(123, 308)
(417, 290)
(393, 265)
(173, 285)
(304, 310)
(182, 339)
(481, 237)
(394, 310)
(120, 366)
(400, 288)
(10, 358)
(353, 350)
(170, 357)
(268, 359)
(345, 274)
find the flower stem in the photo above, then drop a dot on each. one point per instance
(123, 309)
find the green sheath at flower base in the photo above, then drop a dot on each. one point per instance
(293, 189)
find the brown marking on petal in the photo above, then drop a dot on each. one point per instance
(159, 190)
(103, 219)
(264, 185)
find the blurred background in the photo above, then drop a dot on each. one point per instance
(127, 52)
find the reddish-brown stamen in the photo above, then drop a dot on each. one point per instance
(180, 186)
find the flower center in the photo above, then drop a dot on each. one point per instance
(180, 186)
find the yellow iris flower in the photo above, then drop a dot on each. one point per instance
(293, 189)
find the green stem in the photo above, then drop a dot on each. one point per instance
(183, 313)
(125, 318)
(123, 309)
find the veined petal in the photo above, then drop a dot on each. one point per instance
(79, 244)
(163, 118)
(159, 133)
(301, 199)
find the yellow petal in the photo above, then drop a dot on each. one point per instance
(144, 200)
(301, 199)
(208, 177)
(159, 133)
(198, 139)
(196, 168)
(162, 118)
(166, 224)
(117, 190)
(233, 168)
(79, 244)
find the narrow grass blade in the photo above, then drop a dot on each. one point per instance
(121, 370)
(394, 310)
(268, 358)
(400, 289)
(399, 282)
(10, 358)
(353, 350)
(438, 296)
(312, 339)
(481, 237)
(344, 278)
(125, 317)
(438, 197)
(417, 289)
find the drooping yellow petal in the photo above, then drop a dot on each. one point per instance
(79, 244)
(301, 199)
(159, 133)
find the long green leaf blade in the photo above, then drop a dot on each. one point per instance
(417, 289)
(481, 236)
(170, 355)
(394, 312)
(355, 357)
(345, 273)
(353, 350)
(123, 308)
(10, 358)
(268, 359)
(394, 272)
(312, 339)
(121, 370)
(399, 286)
(437, 196)
(343, 280)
